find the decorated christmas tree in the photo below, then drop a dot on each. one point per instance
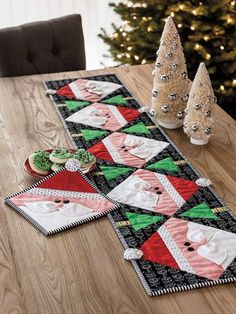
(207, 31)
(198, 122)
(171, 84)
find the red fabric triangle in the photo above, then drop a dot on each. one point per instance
(68, 181)
(99, 150)
(66, 91)
(184, 187)
(128, 114)
(155, 250)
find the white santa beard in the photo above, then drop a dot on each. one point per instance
(69, 210)
(220, 246)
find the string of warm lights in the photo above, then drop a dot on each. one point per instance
(199, 44)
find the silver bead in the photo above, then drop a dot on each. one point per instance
(165, 108)
(152, 112)
(215, 99)
(208, 114)
(154, 93)
(207, 130)
(184, 75)
(174, 46)
(197, 106)
(169, 55)
(185, 98)
(172, 96)
(153, 72)
(157, 53)
(157, 64)
(186, 111)
(200, 84)
(164, 78)
(176, 34)
(180, 115)
(174, 66)
(185, 124)
(163, 43)
(194, 127)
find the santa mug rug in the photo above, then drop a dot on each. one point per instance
(177, 232)
(61, 200)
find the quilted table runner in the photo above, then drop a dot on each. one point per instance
(185, 234)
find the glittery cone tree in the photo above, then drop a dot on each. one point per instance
(171, 84)
(198, 121)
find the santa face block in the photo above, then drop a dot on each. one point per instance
(153, 191)
(88, 90)
(191, 247)
(63, 199)
(104, 117)
(127, 149)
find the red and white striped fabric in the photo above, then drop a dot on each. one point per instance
(87, 90)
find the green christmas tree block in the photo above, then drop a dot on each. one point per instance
(138, 128)
(72, 104)
(120, 100)
(92, 134)
(164, 164)
(200, 211)
(111, 173)
(140, 221)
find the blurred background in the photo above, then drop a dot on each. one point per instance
(128, 33)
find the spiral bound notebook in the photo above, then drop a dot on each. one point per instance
(61, 201)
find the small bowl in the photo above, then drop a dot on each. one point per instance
(31, 172)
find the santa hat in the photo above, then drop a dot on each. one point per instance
(64, 183)
(86, 89)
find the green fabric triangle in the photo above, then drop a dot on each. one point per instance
(72, 104)
(138, 128)
(164, 164)
(139, 221)
(115, 100)
(92, 134)
(200, 211)
(111, 173)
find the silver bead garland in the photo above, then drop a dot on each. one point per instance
(172, 96)
(207, 131)
(208, 114)
(169, 55)
(180, 115)
(197, 106)
(194, 127)
(165, 108)
(164, 78)
(184, 75)
(185, 97)
(174, 66)
(154, 93)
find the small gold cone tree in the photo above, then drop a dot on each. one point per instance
(171, 85)
(198, 121)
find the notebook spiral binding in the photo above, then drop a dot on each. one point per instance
(68, 226)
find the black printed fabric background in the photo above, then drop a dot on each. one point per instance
(156, 278)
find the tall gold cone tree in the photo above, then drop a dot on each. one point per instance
(198, 121)
(171, 85)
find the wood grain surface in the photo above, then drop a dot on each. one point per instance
(82, 270)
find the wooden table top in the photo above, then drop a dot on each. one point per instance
(82, 270)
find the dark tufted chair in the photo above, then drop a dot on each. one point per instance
(42, 47)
